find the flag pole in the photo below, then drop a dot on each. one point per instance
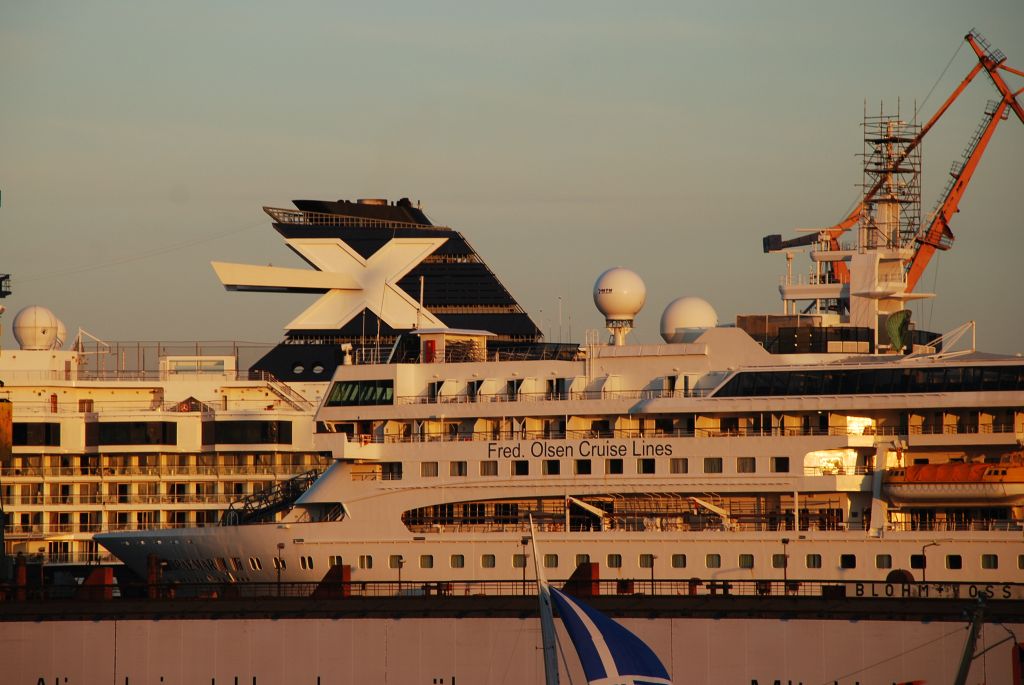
(547, 617)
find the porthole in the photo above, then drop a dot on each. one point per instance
(298, 368)
(318, 368)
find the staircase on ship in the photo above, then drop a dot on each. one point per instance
(264, 506)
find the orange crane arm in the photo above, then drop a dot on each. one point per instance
(840, 269)
(992, 62)
(939, 236)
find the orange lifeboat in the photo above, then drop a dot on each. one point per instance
(959, 483)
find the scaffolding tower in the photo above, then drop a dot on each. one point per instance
(892, 164)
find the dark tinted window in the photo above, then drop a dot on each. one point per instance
(131, 433)
(361, 393)
(253, 432)
(28, 434)
(873, 381)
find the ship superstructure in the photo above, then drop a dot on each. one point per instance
(98, 436)
(831, 442)
(140, 436)
(382, 269)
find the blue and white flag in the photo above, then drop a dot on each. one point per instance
(610, 654)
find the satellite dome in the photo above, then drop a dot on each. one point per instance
(35, 328)
(685, 318)
(619, 294)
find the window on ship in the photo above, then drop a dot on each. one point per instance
(317, 512)
(361, 393)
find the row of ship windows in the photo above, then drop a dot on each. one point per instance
(584, 467)
(47, 434)
(954, 562)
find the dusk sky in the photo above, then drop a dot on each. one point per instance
(139, 141)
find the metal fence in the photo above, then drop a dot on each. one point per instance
(636, 587)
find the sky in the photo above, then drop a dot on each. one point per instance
(140, 140)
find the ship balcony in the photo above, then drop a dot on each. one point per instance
(376, 446)
(87, 474)
(964, 435)
(84, 502)
(812, 287)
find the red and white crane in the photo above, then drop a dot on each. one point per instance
(934, 234)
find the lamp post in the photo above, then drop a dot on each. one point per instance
(525, 541)
(785, 564)
(42, 573)
(280, 548)
(924, 560)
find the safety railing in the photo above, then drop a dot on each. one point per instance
(298, 217)
(163, 592)
(504, 435)
(112, 499)
(581, 395)
(115, 472)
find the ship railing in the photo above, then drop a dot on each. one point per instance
(947, 429)
(978, 526)
(115, 408)
(376, 475)
(780, 524)
(584, 395)
(165, 593)
(296, 217)
(19, 531)
(645, 522)
(837, 470)
(100, 472)
(69, 558)
(813, 279)
(39, 530)
(115, 499)
(619, 433)
(15, 378)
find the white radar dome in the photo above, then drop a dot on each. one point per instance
(685, 318)
(619, 294)
(35, 328)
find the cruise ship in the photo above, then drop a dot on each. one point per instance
(835, 441)
(99, 436)
(127, 436)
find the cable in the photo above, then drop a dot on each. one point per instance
(155, 252)
(935, 284)
(941, 76)
(891, 658)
